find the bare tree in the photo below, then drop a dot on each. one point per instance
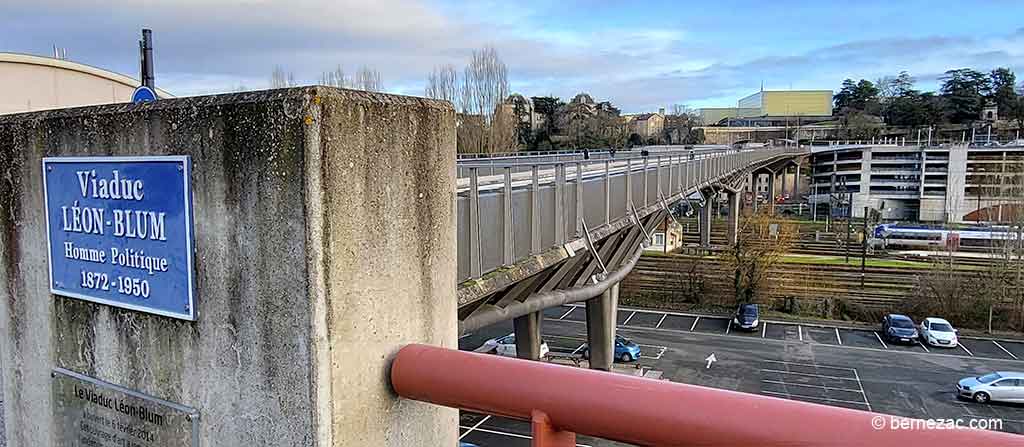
(366, 79)
(334, 78)
(484, 84)
(443, 83)
(758, 248)
(281, 79)
(681, 123)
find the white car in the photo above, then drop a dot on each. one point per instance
(506, 346)
(938, 332)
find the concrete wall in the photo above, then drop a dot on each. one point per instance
(325, 239)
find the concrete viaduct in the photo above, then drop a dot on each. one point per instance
(539, 231)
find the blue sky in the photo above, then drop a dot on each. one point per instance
(639, 55)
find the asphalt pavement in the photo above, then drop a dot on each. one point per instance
(839, 366)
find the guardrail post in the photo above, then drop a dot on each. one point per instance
(534, 211)
(560, 203)
(646, 166)
(629, 184)
(607, 193)
(474, 223)
(547, 435)
(657, 177)
(672, 167)
(508, 247)
(579, 199)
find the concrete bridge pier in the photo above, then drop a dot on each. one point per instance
(733, 229)
(601, 318)
(527, 330)
(704, 221)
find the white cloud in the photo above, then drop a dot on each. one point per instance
(205, 46)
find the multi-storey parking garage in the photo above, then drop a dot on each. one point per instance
(938, 184)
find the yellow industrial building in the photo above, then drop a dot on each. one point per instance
(774, 104)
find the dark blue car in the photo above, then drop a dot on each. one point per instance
(899, 328)
(625, 349)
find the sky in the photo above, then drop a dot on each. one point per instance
(639, 55)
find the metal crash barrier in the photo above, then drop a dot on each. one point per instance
(562, 401)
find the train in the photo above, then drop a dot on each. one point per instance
(922, 237)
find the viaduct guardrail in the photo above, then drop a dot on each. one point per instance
(510, 208)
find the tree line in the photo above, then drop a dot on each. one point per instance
(962, 96)
(490, 119)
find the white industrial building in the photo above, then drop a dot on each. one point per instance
(29, 83)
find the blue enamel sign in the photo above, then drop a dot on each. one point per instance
(120, 231)
(143, 94)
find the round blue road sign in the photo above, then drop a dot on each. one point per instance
(143, 94)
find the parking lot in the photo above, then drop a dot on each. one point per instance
(833, 365)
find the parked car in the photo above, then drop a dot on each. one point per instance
(1002, 386)
(899, 328)
(938, 332)
(467, 444)
(746, 317)
(506, 346)
(625, 349)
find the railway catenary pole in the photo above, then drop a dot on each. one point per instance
(864, 247)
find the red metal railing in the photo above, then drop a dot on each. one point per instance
(561, 401)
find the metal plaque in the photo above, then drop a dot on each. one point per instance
(119, 231)
(89, 412)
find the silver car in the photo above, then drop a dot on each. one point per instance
(1002, 386)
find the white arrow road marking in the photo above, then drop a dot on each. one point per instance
(711, 359)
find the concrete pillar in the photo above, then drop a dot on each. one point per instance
(527, 330)
(706, 216)
(782, 179)
(733, 229)
(602, 312)
(301, 302)
(796, 183)
(755, 183)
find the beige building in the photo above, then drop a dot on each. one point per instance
(29, 83)
(667, 237)
(647, 125)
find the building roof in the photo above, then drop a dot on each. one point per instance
(28, 59)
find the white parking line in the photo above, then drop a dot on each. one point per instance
(511, 435)
(879, 337)
(825, 399)
(808, 385)
(694, 324)
(809, 365)
(1004, 349)
(862, 393)
(566, 314)
(662, 320)
(800, 332)
(923, 346)
(630, 317)
(643, 330)
(838, 338)
(961, 345)
(764, 328)
(806, 374)
(477, 425)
